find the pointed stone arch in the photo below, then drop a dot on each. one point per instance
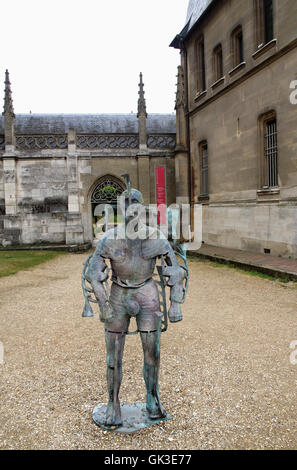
(105, 191)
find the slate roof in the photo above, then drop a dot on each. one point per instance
(196, 8)
(90, 123)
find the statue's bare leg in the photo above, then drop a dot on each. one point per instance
(114, 348)
(151, 367)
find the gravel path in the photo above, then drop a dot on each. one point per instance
(226, 376)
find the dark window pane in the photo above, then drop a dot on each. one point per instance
(237, 46)
(202, 55)
(201, 81)
(220, 63)
(240, 47)
(268, 20)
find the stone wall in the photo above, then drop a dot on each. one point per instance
(92, 169)
(169, 164)
(50, 164)
(46, 193)
(2, 196)
(252, 227)
(2, 202)
(230, 125)
(239, 213)
(42, 199)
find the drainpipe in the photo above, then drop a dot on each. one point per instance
(190, 186)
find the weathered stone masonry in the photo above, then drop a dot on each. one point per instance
(225, 115)
(50, 165)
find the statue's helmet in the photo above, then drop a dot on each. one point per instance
(136, 196)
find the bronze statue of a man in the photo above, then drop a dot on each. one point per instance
(134, 293)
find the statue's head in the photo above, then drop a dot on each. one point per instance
(134, 204)
(132, 197)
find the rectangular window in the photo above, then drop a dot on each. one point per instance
(240, 47)
(203, 152)
(200, 58)
(264, 20)
(270, 152)
(218, 62)
(268, 20)
(237, 46)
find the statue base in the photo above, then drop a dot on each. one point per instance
(134, 418)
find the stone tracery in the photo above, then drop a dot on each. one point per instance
(106, 191)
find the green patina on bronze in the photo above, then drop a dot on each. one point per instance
(134, 293)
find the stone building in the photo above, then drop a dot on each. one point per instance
(236, 124)
(55, 169)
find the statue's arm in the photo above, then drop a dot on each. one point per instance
(96, 276)
(176, 275)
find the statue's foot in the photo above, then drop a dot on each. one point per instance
(154, 407)
(113, 414)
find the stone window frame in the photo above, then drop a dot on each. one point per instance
(261, 33)
(200, 64)
(263, 120)
(218, 63)
(237, 52)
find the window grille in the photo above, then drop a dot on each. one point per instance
(204, 169)
(271, 153)
(107, 191)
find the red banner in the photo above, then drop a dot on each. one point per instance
(161, 194)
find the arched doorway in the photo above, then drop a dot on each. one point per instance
(106, 191)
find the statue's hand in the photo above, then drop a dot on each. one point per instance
(106, 313)
(175, 313)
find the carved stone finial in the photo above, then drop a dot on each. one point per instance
(141, 99)
(180, 92)
(8, 105)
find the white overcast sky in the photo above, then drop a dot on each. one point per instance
(74, 56)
